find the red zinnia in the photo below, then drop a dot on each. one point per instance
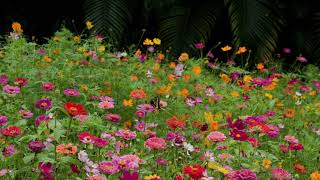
(12, 131)
(75, 109)
(87, 138)
(239, 135)
(195, 171)
(174, 123)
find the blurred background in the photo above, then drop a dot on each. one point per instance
(265, 26)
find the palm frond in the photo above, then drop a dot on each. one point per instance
(255, 23)
(109, 17)
(182, 26)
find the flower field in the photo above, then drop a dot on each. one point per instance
(71, 109)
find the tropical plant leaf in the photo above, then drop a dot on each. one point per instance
(182, 26)
(255, 23)
(109, 17)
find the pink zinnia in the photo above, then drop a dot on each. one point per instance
(216, 136)
(71, 92)
(280, 174)
(155, 143)
(100, 143)
(3, 120)
(126, 134)
(43, 104)
(47, 86)
(302, 59)
(199, 45)
(106, 105)
(115, 118)
(11, 90)
(291, 139)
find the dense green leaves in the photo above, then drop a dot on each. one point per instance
(256, 23)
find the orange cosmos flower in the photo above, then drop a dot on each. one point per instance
(184, 92)
(171, 77)
(196, 70)
(127, 103)
(225, 78)
(186, 78)
(17, 27)
(315, 175)
(241, 50)
(172, 65)
(289, 113)
(260, 66)
(226, 48)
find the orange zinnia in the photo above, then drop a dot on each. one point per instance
(138, 94)
(225, 78)
(260, 66)
(184, 92)
(127, 103)
(17, 27)
(174, 123)
(184, 57)
(68, 149)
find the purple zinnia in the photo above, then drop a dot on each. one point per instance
(43, 104)
(71, 92)
(36, 146)
(41, 118)
(9, 151)
(4, 79)
(146, 108)
(3, 120)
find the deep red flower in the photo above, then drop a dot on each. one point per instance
(12, 131)
(75, 109)
(74, 168)
(21, 81)
(239, 135)
(296, 146)
(195, 171)
(178, 178)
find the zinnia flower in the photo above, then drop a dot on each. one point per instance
(216, 136)
(174, 123)
(9, 151)
(11, 90)
(280, 174)
(36, 146)
(47, 86)
(126, 134)
(239, 135)
(3, 120)
(137, 94)
(195, 171)
(71, 92)
(129, 176)
(11, 131)
(155, 143)
(75, 109)
(21, 81)
(86, 138)
(244, 174)
(43, 104)
(115, 118)
(68, 149)
(108, 167)
(4, 79)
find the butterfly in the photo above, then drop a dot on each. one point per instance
(155, 102)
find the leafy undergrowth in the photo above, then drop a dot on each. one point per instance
(71, 110)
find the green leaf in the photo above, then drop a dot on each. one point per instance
(256, 23)
(28, 158)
